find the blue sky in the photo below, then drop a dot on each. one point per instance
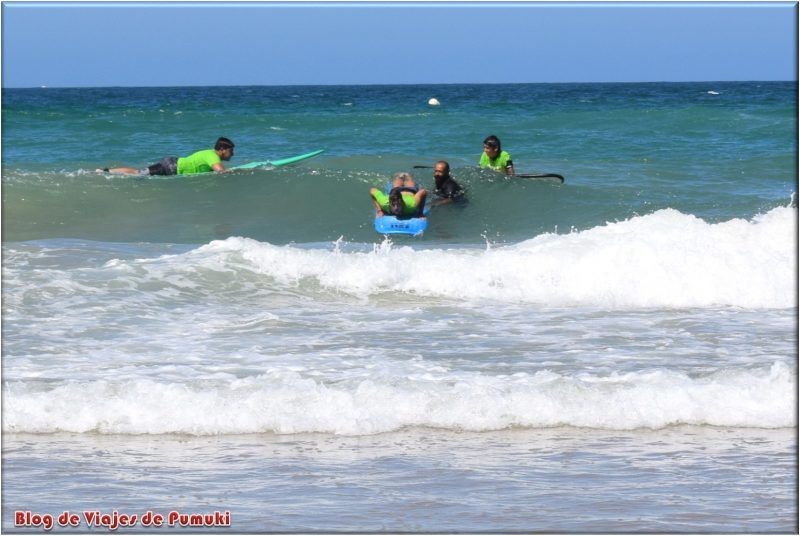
(175, 44)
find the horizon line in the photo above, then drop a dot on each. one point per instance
(44, 86)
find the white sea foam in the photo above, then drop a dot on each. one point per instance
(239, 336)
(285, 402)
(665, 259)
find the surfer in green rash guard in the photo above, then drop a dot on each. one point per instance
(494, 157)
(406, 198)
(204, 161)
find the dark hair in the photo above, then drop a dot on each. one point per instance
(396, 204)
(492, 141)
(223, 143)
(446, 165)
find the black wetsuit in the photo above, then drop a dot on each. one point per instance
(449, 189)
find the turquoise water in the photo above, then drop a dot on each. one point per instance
(625, 149)
(623, 345)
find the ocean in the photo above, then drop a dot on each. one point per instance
(243, 352)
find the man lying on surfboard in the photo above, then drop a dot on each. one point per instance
(204, 161)
(405, 199)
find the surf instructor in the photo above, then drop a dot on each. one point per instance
(447, 189)
(204, 161)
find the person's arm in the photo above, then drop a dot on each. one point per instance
(215, 161)
(448, 193)
(420, 198)
(378, 211)
(509, 166)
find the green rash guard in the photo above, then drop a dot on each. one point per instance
(409, 203)
(199, 162)
(501, 163)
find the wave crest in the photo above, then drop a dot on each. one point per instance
(665, 259)
(284, 402)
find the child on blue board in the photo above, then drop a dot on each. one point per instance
(405, 200)
(494, 157)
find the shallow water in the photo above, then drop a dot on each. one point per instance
(679, 479)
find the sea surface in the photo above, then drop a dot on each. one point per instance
(617, 353)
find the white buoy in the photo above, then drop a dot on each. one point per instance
(434, 102)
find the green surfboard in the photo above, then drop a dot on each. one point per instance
(281, 162)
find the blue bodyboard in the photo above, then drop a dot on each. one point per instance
(402, 226)
(405, 226)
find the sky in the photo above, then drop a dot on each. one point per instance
(63, 44)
